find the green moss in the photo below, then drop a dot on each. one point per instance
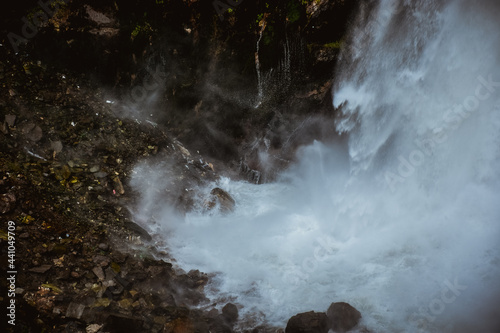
(259, 18)
(334, 45)
(141, 29)
(293, 11)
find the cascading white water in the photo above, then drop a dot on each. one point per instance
(404, 222)
(260, 84)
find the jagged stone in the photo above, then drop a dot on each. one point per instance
(308, 322)
(10, 119)
(230, 313)
(220, 197)
(75, 310)
(342, 316)
(138, 230)
(116, 323)
(41, 269)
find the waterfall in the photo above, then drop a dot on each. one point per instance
(260, 84)
(402, 220)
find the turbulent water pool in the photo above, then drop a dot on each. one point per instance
(403, 221)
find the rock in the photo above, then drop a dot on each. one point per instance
(125, 303)
(308, 322)
(43, 300)
(75, 310)
(179, 325)
(100, 174)
(41, 269)
(213, 313)
(99, 273)
(120, 323)
(342, 316)
(219, 326)
(4, 128)
(230, 313)
(102, 261)
(10, 119)
(103, 246)
(118, 185)
(32, 132)
(93, 328)
(224, 199)
(138, 230)
(7, 202)
(184, 151)
(56, 146)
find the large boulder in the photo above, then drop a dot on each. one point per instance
(230, 313)
(342, 316)
(221, 198)
(308, 322)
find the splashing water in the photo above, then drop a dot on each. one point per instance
(403, 222)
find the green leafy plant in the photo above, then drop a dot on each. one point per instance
(334, 45)
(141, 28)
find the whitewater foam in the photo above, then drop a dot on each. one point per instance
(415, 254)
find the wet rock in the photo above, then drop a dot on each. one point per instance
(10, 119)
(93, 328)
(342, 316)
(120, 323)
(4, 128)
(119, 257)
(103, 246)
(75, 310)
(221, 197)
(213, 313)
(219, 326)
(41, 269)
(125, 303)
(100, 174)
(118, 186)
(138, 230)
(7, 202)
(62, 173)
(308, 322)
(230, 313)
(32, 132)
(43, 300)
(102, 261)
(179, 325)
(99, 273)
(56, 146)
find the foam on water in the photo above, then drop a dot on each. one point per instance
(403, 222)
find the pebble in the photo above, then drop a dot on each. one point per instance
(103, 246)
(10, 119)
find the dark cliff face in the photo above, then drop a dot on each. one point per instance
(110, 38)
(209, 75)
